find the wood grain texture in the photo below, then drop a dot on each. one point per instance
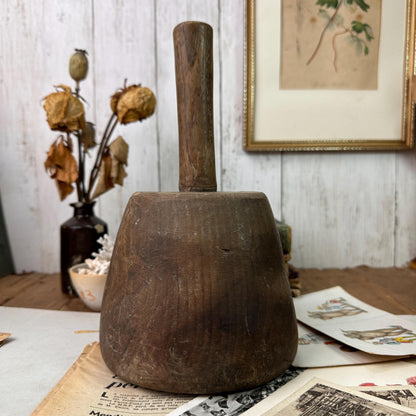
(194, 83)
(197, 298)
(212, 262)
(39, 291)
(170, 13)
(345, 208)
(392, 289)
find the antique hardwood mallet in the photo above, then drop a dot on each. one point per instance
(197, 298)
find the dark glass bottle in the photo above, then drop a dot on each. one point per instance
(79, 237)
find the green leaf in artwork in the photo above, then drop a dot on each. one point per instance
(328, 3)
(361, 4)
(366, 51)
(359, 27)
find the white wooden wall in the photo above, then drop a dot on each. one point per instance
(345, 209)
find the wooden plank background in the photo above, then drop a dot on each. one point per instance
(345, 209)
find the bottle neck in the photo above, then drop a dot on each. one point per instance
(83, 209)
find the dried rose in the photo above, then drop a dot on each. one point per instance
(133, 103)
(114, 100)
(78, 65)
(64, 112)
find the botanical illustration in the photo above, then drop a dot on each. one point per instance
(392, 335)
(358, 32)
(335, 308)
(330, 44)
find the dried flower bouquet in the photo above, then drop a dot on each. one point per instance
(65, 113)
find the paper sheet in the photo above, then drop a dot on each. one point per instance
(341, 316)
(322, 397)
(90, 388)
(315, 349)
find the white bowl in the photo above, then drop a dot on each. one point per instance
(90, 287)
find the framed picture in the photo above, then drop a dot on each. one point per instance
(329, 75)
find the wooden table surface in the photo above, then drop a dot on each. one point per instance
(390, 289)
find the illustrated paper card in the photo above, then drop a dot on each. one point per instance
(319, 397)
(315, 349)
(341, 316)
(402, 395)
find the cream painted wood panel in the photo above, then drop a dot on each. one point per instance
(170, 13)
(405, 227)
(36, 41)
(344, 208)
(124, 48)
(241, 171)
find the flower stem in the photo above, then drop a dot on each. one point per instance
(81, 159)
(334, 38)
(112, 122)
(323, 32)
(79, 184)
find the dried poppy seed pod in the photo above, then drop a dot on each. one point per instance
(136, 103)
(78, 65)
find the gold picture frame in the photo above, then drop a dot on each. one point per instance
(262, 133)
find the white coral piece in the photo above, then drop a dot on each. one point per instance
(100, 262)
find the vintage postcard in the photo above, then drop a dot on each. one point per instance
(397, 372)
(315, 349)
(330, 45)
(339, 315)
(319, 397)
(234, 404)
(403, 395)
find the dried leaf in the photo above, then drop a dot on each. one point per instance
(61, 166)
(88, 136)
(412, 264)
(60, 162)
(118, 173)
(105, 181)
(64, 112)
(64, 189)
(120, 149)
